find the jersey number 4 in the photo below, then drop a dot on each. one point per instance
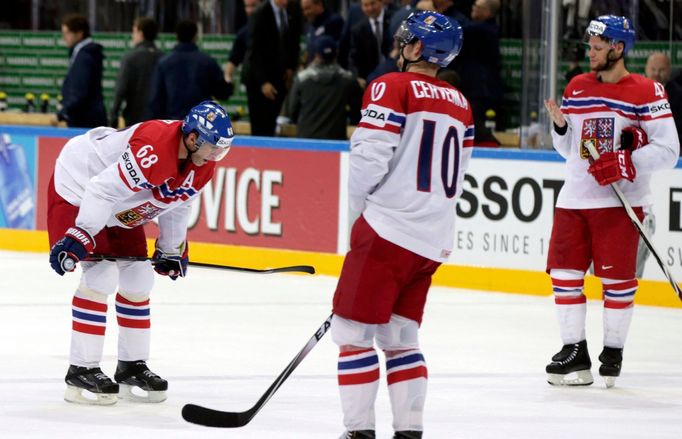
(449, 166)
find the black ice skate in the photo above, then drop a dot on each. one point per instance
(99, 387)
(131, 374)
(358, 434)
(407, 434)
(611, 360)
(570, 366)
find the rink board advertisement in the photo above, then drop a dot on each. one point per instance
(262, 194)
(285, 201)
(504, 217)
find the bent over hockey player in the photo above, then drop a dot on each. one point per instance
(627, 118)
(407, 162)
(107, 183)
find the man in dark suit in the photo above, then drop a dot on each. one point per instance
(271, 60)
(370, 40)
(135, 75)
(82, 103)
(185, 77)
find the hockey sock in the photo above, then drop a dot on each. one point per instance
(571, 304)
(406, 375)
(133, 329)
(89, 321)
(619, 296)
(358, 385)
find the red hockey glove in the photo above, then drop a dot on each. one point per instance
(68, 251)
(612, 166)
(173, 266)
(632, 138)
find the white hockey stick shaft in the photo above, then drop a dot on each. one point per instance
(638, 224)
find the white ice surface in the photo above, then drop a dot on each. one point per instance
(221, 338)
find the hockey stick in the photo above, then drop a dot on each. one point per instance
(293, 269)
(197, 414)
(638, 224)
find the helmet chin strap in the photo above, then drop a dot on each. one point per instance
(187, 147)
(406, 62)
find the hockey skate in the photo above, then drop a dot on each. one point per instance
(100, 390)
(570, 366)
(611, 360)
(358, 434)
(136, 374)
(407, 435)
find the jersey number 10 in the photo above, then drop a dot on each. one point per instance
(451, 142)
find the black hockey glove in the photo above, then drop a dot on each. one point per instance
(72, 248)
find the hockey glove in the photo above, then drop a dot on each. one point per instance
(72, 248)
(173, 266)
(613, 166)
(632, 138)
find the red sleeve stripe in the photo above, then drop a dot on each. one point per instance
(468, 143)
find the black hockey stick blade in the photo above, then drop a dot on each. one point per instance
(197, 414)
(638, 225)
(289, 269)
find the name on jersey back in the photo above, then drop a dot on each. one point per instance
(426, 90)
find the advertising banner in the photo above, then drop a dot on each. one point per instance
(504, 217)
(259, 197)
(17, 176)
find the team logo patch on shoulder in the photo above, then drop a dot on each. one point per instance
(377, 90)
(599, 131)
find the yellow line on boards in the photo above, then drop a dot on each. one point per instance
(656, 293)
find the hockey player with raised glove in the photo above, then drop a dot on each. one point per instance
(108, 183)
(627, 118)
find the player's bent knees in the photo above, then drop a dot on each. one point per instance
(136, 280)
(398, 335)
(349, 334)
(99, 280)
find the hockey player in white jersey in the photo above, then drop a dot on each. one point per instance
(106, 184)
(627, 118)
(407, 162)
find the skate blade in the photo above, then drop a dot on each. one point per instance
(609, 381)
(577, 378)
(126, 391)
(75, 395)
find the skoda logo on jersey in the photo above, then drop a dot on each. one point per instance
(377, 90)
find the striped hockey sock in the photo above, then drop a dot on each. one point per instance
(89, 322)
(407, 377)
(133, 329)
(571, 308)
(358, 385)
(619, 297)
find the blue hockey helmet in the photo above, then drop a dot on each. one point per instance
(613, 29)
(212, 125)
(441, 36)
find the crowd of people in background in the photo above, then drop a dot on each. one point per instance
(342, 55)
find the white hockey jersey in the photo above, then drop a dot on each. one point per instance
(128, 177)
(598, 112)
(407, 161)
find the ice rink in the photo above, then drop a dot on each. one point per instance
(221, 338)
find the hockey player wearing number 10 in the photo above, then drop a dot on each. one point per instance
(106, 184)
(627, 118)
(407, 162)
